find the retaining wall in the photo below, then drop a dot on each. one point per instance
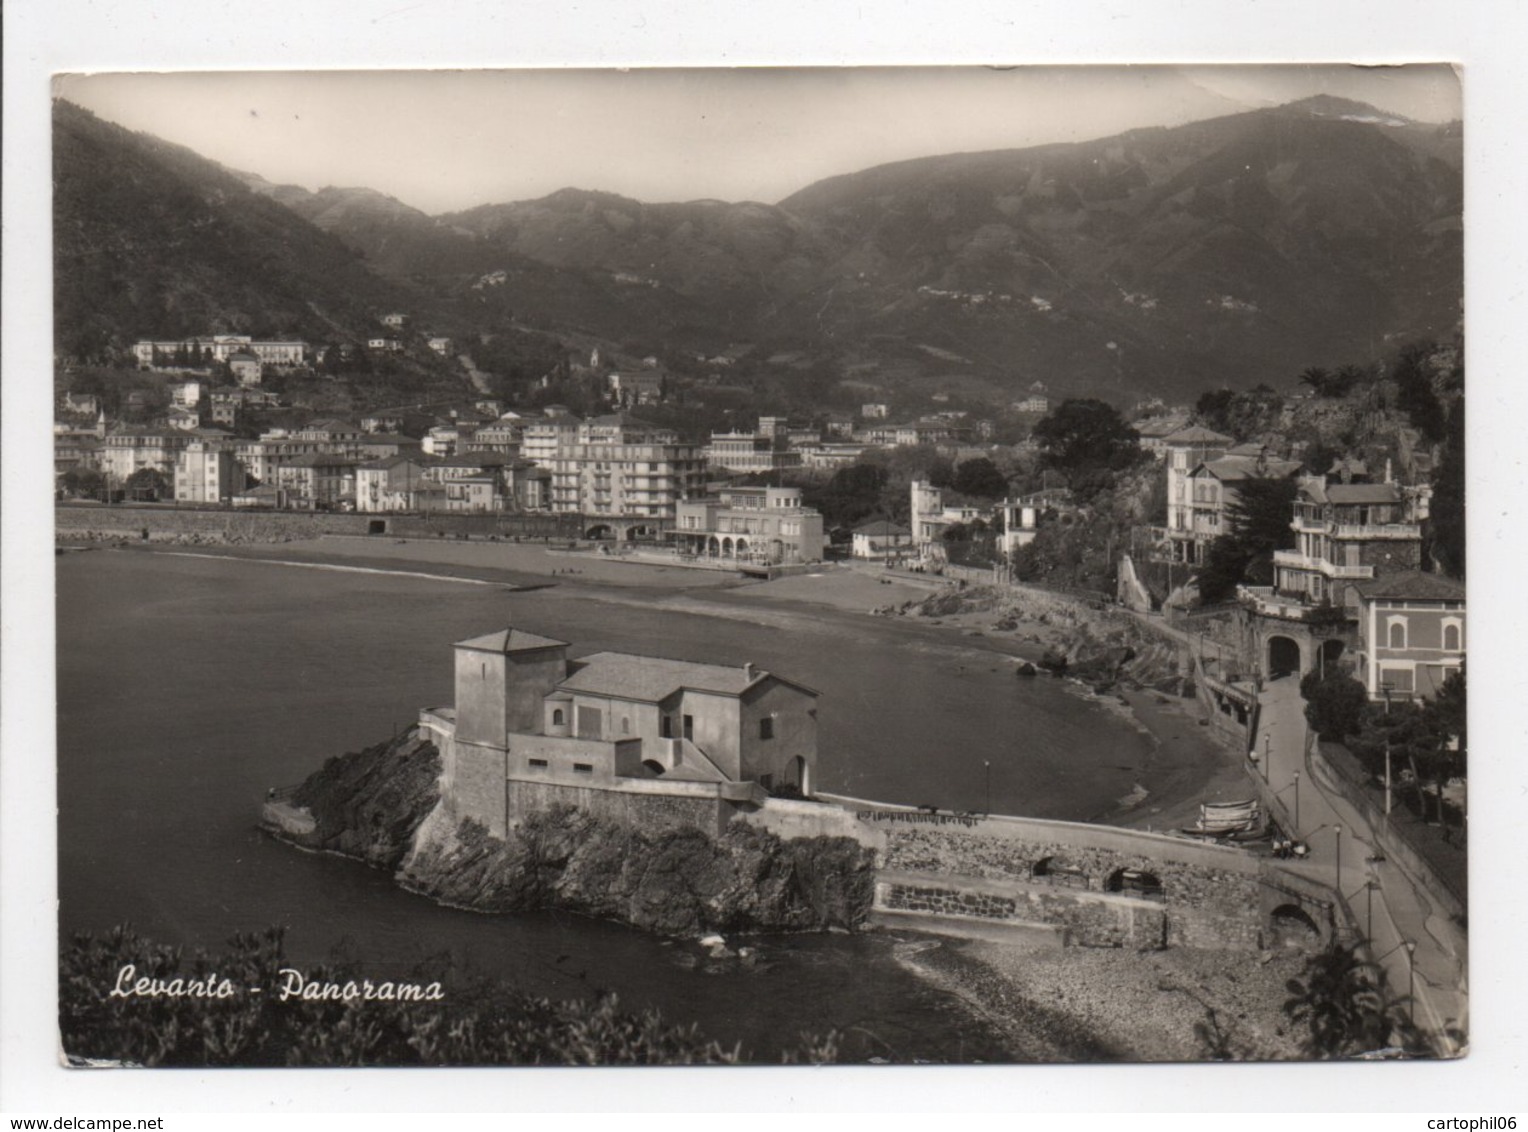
(172, 524)
(1391, 843)
(1211, 896)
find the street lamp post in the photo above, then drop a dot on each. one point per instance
(1411, 979)
(1337, 829)
(987, 763)
(1369, 886)
(1267, 755)
(1387, 761)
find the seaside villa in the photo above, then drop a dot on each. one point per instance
(614, 734)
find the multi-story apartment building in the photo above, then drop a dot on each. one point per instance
(1346, 533)
(1213, 489)
(318, 481)
(1410, 634)
(391, 483)
(750, 452)
(1186, 449)
(221, 348)
(627, 480)
(503, 437)
(130, 449)
(541, 437)
(752, 524)
(206, 471)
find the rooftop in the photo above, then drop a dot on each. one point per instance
(650, 679)
(1415, 585)
(510, 640)
(882, 527)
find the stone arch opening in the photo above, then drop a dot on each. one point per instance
(599, 531)
(727, 551)
(653, 767)
(376, 526)
(799, 775)
(1283, 657)
(1292, 926)
(639, 531)
(1134, 882)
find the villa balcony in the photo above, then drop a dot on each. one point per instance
(1266, 602)
(1294, 560)
(1367, 531)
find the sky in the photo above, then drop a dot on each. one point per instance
(446, 140)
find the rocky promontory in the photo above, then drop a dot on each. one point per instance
(381, 806)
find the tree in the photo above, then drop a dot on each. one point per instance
(1259, 524)
(1447, 509)
(148, 484)
(1212, 408)
(1341, 1002)
(1082, 436)
(1224, 568)
(83, 482)
(980, 478)
(1334, 705)
(1414, 393)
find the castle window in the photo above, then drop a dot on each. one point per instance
(557, 717)
(1396, 632)
(583, 768)
(767, 728)
(538, 764)
(625, 725)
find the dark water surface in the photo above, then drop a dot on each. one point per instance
(188, 686)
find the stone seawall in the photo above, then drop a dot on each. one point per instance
(1083, 918)
(187, 525)
(1204, 896)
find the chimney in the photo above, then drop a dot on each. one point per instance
(748, 670)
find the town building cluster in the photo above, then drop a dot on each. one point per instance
(1352, 592)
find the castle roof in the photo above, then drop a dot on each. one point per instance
(651, 679)
(510, 640)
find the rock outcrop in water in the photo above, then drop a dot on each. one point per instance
(379, 806)
(678, 882)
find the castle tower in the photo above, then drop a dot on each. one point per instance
(501, 679)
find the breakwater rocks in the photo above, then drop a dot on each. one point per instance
(1097, 645)
(677, 882)
(381, 806)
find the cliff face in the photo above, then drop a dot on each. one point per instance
(380, 806)
(369, 804)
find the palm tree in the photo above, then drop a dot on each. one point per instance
(1342, 1001)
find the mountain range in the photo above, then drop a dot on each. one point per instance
(1160, 262)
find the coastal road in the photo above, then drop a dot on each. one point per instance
(1389, 906)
